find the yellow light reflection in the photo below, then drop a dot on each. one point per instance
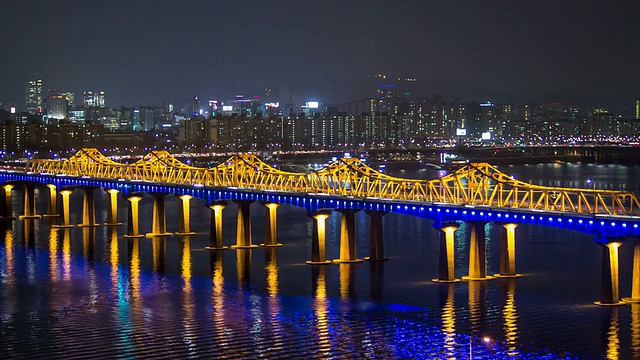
(217, 294)
(158, 245)
(271, 259)
(88, 237)
(510, 317)
(135, 272)
(476, 305)
(66, 254)
(449, 323)
(319, 278)
(346, 280)
(189, 333)
(186, 265)
(53, 255)
(9, 263)
(113, 258)
(613, 341)
(243, 267)
(635, 330)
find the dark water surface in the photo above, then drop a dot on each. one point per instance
(90, 293)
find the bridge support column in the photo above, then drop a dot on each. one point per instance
(133, 226)
(318, 242)
(112, 214)
(159, 225)
(6, 211)
(376, 240)
(271, 225)
(88, 209)
(215, 234)
(243, 236)
(29, 200)
(52, 206)
(508, 251)
(477, 253)
(184, 226)
(635, 285)
(609, 282)
(347, 237)
(447, 270)
(66, 217)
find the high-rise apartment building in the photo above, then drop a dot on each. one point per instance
(33, 94)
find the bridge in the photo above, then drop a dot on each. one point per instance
(476, 193)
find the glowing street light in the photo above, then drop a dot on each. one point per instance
(485, 340)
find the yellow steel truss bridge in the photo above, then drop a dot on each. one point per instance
(473, 184)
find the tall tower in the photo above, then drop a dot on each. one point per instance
(638, 109)
(33, 94)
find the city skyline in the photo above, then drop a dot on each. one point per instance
(142, 53)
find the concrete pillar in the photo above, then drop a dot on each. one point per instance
(635, 281)
(184, 225)
(318, 242)
(271, 225)
(477, 253)
(508, 251)
(112, 213)
(215, 234)
(133, 226)
(243, 236)
(29, 201)
(66, 217)
(376, 241)
(609, 282)
(52, 205)
(159, 224)
(88, 209)
(347, 237)
(447, 270)
(6, 211)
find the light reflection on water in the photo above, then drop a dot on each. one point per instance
(81, 291)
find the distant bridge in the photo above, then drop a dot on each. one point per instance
(474, 184)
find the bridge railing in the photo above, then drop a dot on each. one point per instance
(473, 184)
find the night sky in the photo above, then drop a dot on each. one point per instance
(141, 52)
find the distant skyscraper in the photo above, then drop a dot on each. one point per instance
(194, 106)
(93, 99)
(638, 109)
(33, 94)
(57, 106)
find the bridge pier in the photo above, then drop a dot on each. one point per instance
(609, 282)
(318, 242)
(508, 251)
(88, 209)
(52, 206)
(66, 217)
(477, 253)
(376, 240)
(271, 225)
(112, 214)
(133, 225)
(159, 224)
(184, 226)
(215, 233)
(29, 201)
(243, 236)
(635, 284)
(6, 210)
(447, 270)
(347, 237)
